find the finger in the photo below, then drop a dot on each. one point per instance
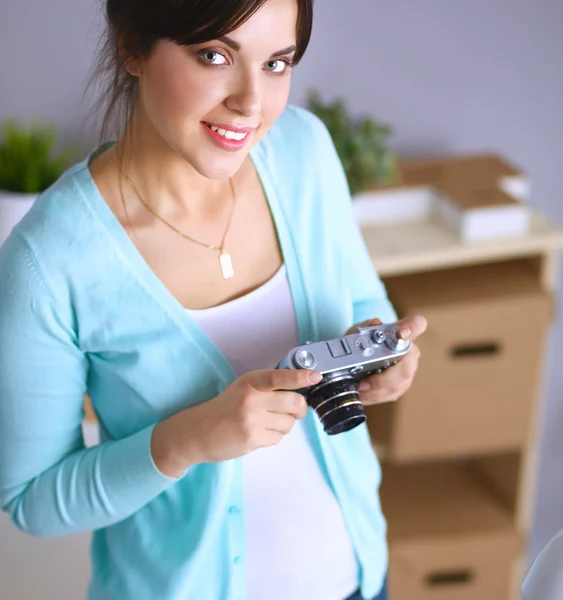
(271, 438)
(380, 396)
(280, 422)
(368, 323)
(412, 327)
(288, 403)
(282, 379)
(410, 366)
(405, 369)
(381, 381)
(372, 396)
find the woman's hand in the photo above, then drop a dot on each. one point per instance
(396, 380)
(253, 412)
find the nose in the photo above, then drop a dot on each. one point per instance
(246, 98)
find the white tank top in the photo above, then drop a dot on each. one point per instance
(298, 547)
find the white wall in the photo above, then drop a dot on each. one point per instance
(56, 569)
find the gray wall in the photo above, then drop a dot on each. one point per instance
(447, 75)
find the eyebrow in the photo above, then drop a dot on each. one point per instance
(236, 47)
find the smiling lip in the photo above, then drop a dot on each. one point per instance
(223, 142)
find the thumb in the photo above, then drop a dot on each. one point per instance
(412, 327)
(282, 379)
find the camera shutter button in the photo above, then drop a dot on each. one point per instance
(394, 342)
(365, 345)
(305, 359)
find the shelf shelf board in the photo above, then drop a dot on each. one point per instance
(426, 244)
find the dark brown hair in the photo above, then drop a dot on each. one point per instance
(134, 26)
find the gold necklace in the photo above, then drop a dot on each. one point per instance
(224, 257)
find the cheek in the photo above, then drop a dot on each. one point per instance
(178, 98)
(274, 100)
(279, 94)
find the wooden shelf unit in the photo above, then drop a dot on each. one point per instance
(426, 245)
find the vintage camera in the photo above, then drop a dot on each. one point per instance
(344, 362)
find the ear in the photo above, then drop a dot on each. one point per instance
(133, 68)
(130, 60)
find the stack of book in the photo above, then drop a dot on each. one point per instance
(480, 196)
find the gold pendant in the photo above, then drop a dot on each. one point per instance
(226, 265)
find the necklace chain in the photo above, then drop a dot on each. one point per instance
(224, 257)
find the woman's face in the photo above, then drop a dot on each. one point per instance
(211, 102)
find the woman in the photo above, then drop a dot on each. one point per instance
(166, 275)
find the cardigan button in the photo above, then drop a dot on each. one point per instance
(237, 560)
(234, 510)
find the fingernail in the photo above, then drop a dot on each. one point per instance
(364, 386)
(375, 322)
(315, 377)
(405, 333)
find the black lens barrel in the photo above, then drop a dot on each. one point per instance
(337, 404)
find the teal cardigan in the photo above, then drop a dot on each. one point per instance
(81, 311)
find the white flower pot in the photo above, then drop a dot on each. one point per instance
(13, 207)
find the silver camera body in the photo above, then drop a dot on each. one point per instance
(343, 363)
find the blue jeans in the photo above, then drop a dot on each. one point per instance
(382, 595)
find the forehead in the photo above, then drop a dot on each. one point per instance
(274, 22)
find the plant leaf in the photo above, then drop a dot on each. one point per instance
(361, 144)
(27, 163)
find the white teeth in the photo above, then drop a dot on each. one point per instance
(229, 135)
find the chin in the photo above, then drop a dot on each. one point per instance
(218, 167)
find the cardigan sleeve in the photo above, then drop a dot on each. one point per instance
(50, 484)
(367, 290)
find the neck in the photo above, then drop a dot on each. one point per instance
(164, 179)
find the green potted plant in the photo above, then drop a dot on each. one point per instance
(361, 144)
(28, 166)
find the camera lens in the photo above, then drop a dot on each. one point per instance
(337, 403)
